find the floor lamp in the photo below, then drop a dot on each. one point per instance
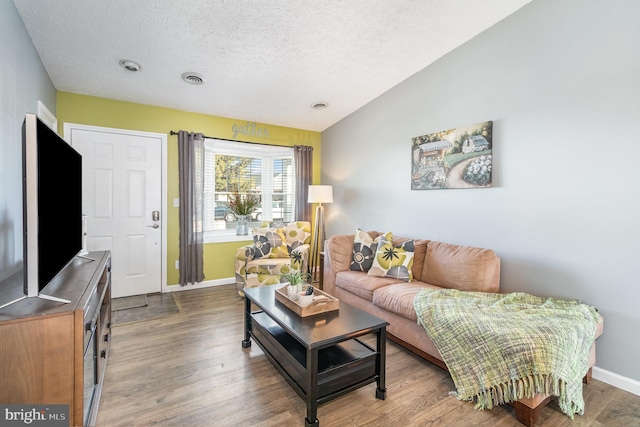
(318, 194)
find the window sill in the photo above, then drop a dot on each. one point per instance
(225, 238)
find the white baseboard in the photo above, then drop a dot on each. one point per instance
(624, 383)
(205, 284)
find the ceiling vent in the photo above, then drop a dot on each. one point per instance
(193, 78)
(130, 65)
(319, 105)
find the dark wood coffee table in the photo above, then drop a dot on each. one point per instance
(320, 355)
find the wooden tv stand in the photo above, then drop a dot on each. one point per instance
(54, 353)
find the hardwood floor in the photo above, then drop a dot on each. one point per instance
(189, 369)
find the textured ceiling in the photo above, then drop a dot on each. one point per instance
(263, 60)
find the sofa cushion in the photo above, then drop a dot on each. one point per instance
(364, 249)
(275, 266)
(398, 298)
(269, 243)
(261, 279)
(464, 268)
(360, 284)
(393, 261)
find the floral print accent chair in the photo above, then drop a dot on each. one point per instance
(276, 249)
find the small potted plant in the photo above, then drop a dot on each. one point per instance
(242, 205)
(295, 278)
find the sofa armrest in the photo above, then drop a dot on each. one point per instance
(338, 251)
(244, 254)
(300, 258)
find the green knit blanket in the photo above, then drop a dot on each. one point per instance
(503, 347)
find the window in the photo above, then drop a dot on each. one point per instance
(262, 170)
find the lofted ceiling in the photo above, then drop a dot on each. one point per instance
(266, 61)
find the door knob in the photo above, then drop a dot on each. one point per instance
(154, 226)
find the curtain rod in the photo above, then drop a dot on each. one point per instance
(236, 140)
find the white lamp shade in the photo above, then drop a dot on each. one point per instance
(320, 194)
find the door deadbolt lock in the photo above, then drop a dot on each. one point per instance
(155, 216)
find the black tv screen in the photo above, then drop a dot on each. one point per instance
(52, 204)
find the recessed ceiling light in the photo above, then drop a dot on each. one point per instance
(130, 65)
(319, 105)
(193, 78)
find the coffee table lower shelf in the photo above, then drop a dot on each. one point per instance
(341, 367)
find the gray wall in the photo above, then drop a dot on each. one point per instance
(23, 81)
(561, 81)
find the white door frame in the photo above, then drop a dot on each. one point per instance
(69, 127)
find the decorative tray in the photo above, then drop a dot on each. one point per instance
(322, 302)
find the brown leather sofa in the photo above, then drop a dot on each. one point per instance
(436, 265)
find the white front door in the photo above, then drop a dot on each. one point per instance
(122, 192)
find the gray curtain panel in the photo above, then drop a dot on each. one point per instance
(191, 185)
(303, 163)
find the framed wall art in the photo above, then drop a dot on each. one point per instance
(454, 158)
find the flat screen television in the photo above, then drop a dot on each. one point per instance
(52, 206)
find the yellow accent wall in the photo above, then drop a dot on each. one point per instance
(94, 111)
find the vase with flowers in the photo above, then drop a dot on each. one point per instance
(242, 205)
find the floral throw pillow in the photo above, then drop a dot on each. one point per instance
(269, 243)
(393, 261)
(364, 250)
(297, 233)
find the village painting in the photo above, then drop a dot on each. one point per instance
(454, 158)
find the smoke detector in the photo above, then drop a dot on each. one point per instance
(130, 65)
(193, 78)
(319, 105)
